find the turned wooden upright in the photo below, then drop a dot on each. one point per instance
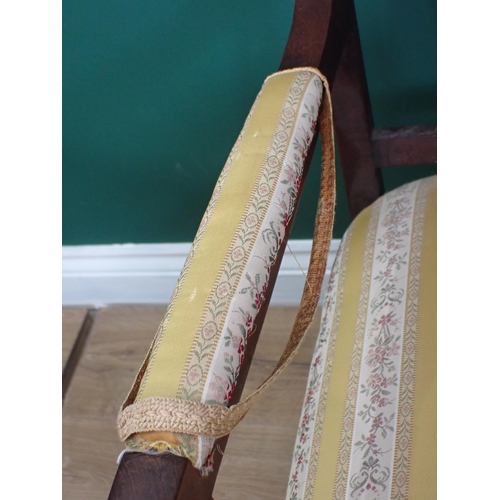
(324, 35)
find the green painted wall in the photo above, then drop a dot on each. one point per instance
(155, 94)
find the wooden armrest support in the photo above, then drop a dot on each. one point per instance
(142, 476)
(318, 34)
(325, 35)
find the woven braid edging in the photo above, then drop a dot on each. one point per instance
(177, 415)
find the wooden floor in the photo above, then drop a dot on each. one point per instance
(257, 459)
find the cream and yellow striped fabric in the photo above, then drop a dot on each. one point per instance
(368, 423)
(200, 345)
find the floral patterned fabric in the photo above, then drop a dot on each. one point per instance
(219, 295)
(356, 438)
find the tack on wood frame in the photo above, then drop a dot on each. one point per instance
(324, 35)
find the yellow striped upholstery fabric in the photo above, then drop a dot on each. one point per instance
(368, 423)
(201, 342)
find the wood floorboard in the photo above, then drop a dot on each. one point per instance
(90, 449)
(257, 459)
(71, 322)
(112, 357)
(77, 350)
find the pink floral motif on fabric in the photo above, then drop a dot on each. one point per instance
(303, 441)
(370, 470)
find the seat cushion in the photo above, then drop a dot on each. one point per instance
(368, 423)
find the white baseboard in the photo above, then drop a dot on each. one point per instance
(102, 275)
